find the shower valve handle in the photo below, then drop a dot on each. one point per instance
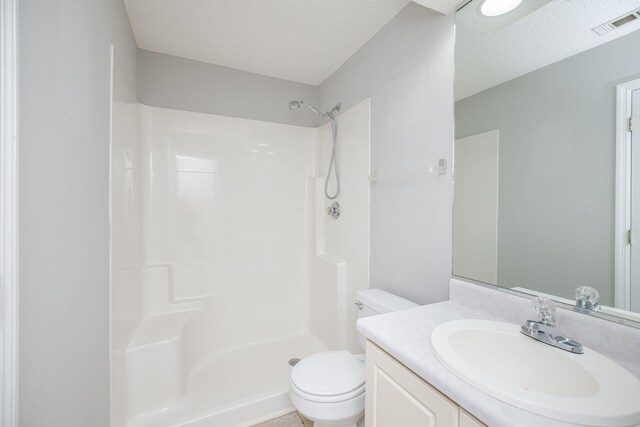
(334, 210)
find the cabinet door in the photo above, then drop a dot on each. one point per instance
(397, 397)
(468, 420)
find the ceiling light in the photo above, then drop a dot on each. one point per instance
(498, 7)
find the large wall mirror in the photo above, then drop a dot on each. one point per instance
(547, 167)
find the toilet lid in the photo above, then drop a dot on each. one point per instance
(329, 373)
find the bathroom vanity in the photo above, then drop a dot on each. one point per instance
(408, 385)
(397, 396)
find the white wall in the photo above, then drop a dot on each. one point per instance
(224, 203)
(475, 212)
(407, 71)
(211, 245)
(126, 241)
(220, 234)
(64, 206)
(235, 209)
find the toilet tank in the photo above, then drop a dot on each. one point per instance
(376, 301)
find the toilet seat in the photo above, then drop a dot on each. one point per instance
(328, 377)
(327, 399)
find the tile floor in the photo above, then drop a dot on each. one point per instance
(290, 420)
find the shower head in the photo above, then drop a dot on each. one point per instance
(294, 105)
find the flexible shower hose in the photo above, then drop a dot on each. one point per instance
(333, 163)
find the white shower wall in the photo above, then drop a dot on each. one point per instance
(217, 227)
(340, 266)
(126, 246)
(225, 213)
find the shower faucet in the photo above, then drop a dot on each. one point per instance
(334, 210)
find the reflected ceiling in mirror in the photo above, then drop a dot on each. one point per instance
(490, 51)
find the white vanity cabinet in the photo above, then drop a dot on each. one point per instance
(398, 397)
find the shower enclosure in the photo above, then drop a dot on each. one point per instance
(224, 263)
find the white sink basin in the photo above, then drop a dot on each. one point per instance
(496, 358)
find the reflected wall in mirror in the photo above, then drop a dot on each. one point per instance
(546, 183)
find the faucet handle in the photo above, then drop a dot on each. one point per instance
(545, 310)
(587, 298)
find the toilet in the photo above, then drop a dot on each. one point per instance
(328, 387)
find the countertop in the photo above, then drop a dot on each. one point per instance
(406, 336)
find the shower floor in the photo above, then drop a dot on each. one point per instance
(237, 386)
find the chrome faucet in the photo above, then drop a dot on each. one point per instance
(540, 329)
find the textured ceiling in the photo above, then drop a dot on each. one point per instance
(298, 40)
(557, 30)
(442, 6)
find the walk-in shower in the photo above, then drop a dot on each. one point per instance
(333, 163)
(203, 296)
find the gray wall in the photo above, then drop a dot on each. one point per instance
(407, 71)
(172, 82)
(64, 207)
(557, 168)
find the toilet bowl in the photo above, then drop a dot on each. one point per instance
(328, 387)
